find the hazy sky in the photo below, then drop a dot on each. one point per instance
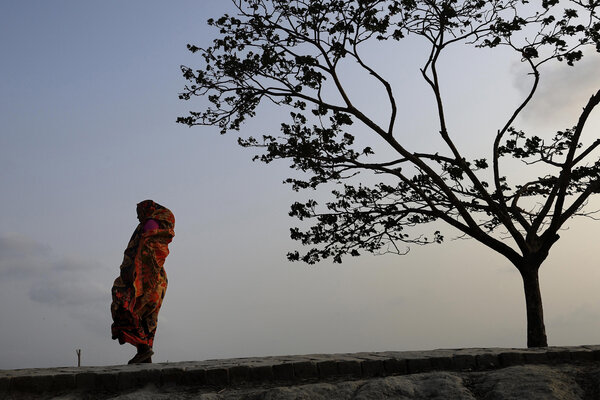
(88, 100)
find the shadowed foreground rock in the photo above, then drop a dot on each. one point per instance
(487, 374)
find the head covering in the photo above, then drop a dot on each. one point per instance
(148, 209)
(145, 209)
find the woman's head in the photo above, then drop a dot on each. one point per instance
(146, 208)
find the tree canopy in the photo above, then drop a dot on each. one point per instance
(293, 53)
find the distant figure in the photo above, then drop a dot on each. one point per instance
(138, 292)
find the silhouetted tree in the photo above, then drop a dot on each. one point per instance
(291, 53)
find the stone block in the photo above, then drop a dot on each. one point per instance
(558, 355)
(536, 357)
(372, 367)
(108, 381)
(128, 380)
(327, 369)
(441, 363)
(19, 383)
(152, 376)
(63, 382)
(31, 383)
(463, 362)
(582, 355)
(4, 384)
(417, 365)
(305, 370)
(193, 376)
(171, 376)
(283, 372)
(85, 380)
(395, 366)
(511, 358)
(486, 361)
(134, 378)
(595, 350)
(217, 377)
(239, 374)
(349, 368)
(261, 373)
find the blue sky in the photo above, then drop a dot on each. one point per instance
(88, 101)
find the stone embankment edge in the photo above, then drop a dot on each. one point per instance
(283, 369)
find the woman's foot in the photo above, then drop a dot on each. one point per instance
(144, 355)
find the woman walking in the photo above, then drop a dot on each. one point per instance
(138, 292)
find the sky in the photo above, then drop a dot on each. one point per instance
(88, 102)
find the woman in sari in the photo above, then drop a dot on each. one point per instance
(138, 292)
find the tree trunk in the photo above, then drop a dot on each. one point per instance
(536, 331)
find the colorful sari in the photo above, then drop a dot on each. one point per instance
(138, 292)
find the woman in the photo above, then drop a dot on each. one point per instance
(138, 292)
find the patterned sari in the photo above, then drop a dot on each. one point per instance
(138, 292)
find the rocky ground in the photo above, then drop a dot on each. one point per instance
(564, 382)
(470, 374)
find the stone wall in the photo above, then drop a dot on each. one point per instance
(214, 376)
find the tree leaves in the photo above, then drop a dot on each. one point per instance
(291, 53)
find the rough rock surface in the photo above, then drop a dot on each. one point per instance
(469, 374)
(560, 382)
